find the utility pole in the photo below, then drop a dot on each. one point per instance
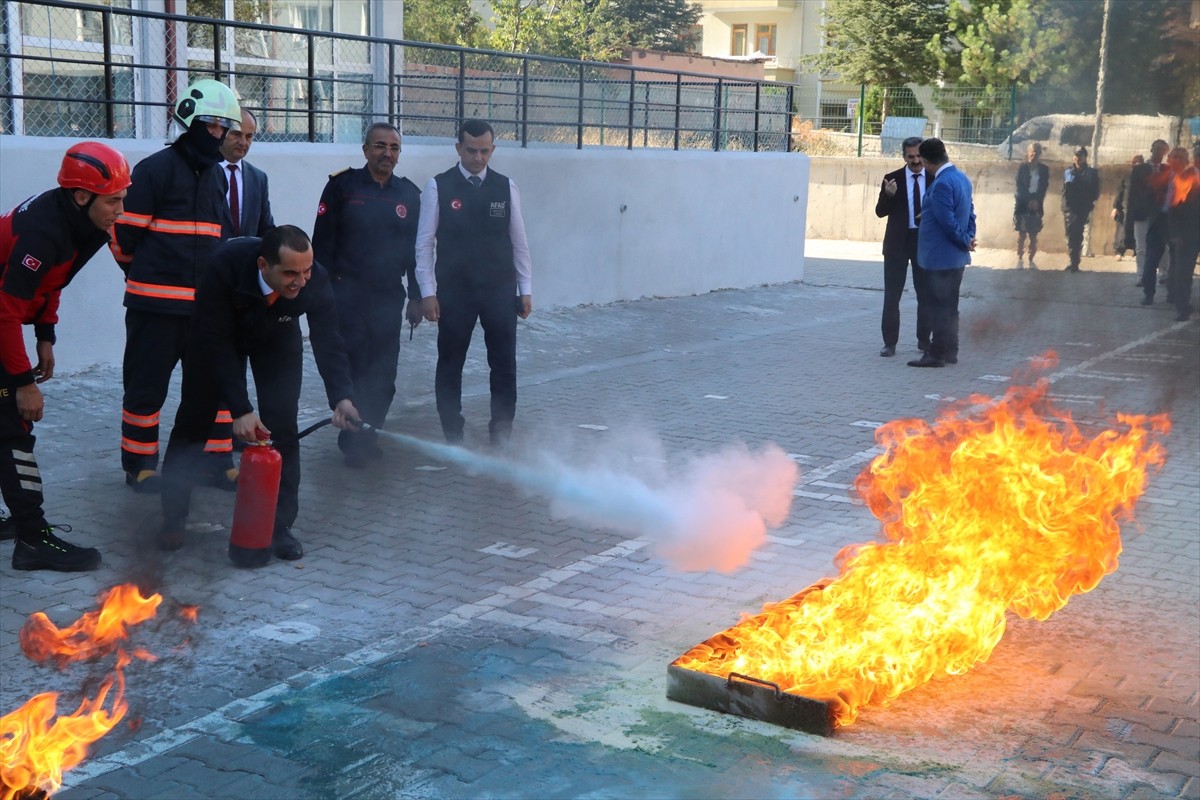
(1097, 128)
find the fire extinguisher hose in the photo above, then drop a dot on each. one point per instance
(316, 426)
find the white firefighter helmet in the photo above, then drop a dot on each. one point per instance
(209, 100)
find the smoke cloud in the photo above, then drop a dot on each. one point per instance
(709, 514)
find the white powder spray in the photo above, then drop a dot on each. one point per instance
(710, 514)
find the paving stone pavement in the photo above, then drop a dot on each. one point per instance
(447, 636)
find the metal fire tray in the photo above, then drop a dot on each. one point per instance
(754, 698)
(749, 697)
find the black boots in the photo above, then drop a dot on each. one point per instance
(44, 550)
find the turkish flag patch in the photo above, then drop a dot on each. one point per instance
(320, 209)
(402, 211)
(29, 262)
(456, 204)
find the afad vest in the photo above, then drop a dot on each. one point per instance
(474, 248)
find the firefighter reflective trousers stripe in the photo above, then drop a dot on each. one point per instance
(20, 479)
(154, 344)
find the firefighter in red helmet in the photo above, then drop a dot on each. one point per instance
(43, 243)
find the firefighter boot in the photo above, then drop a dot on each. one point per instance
(41, 549)
(145, 481)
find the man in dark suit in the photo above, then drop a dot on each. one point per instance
(900, 201)
(1144, 208)
(1032, 179)
(251, 295)
(244, 185)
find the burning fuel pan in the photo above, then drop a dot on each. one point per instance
(749, 697)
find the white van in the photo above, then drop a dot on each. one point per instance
(1121, 136)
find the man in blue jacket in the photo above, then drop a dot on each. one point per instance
(944, 244)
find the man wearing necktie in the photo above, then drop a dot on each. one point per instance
(251, 295)
(900, 201)
(247, 209)
(482, 273)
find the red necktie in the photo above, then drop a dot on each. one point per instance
(271, 298)
(235, 209)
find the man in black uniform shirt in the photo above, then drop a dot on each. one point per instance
(365, 235)
(248, 305)
(482, 273)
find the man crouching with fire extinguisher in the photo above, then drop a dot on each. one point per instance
(248, 306)
(44, 242)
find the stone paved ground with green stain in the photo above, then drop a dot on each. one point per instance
(446, 636)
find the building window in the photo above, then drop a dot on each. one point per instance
(737, 44)
(764, 39)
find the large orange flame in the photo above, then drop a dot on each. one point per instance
(35, 752)
(1186, 182)
(95, 634)
(1000, 505)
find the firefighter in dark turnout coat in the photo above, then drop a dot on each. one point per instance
(44, 242)
(172, 220)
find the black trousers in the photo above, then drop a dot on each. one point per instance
(277, 365)
(154, 344)
(895, 273)
(495, 309)
(943, 286)
(371, 328)
(1075, 221)
(1157, 241)
(20, 478)
(1184, 251)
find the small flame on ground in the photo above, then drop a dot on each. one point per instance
(189, 613)
(95, 634)
(34, 750)
(1001, 505)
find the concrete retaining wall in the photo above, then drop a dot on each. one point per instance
(604, 225)
(842, 195)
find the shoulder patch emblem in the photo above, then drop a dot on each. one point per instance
(29, 262)
(340, 172)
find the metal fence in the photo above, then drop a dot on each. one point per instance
(87, 70)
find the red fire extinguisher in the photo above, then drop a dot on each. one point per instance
(254, 508)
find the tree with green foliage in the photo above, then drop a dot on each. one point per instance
(444, 22)
(566, 28)
(657, 24)
(595, 30)
(994, 44)
(882, 43)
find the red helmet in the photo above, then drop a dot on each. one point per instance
(94, 167)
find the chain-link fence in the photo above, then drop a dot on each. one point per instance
(101, 68)
(976, 124)
(80, 69)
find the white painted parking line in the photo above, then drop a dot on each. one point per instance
(225, 720)
(508, 550)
